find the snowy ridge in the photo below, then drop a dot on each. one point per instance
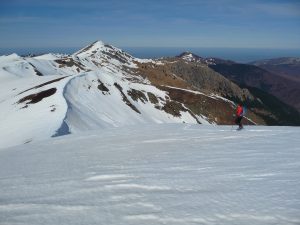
(84, 114)
(188, 56)
(191, 57)
(23, 121)
(96, 87)
(89, 50)
(102, 54)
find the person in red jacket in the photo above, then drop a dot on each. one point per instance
(239, 116)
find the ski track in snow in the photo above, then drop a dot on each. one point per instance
(155, 174)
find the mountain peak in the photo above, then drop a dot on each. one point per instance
(90, 49)
(191, 57)
(98, 43)
(188, 54)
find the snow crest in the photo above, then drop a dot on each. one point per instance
(54, 94)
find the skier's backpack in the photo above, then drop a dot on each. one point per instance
(244, 110)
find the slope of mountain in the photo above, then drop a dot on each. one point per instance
(288, 67)
(102, 86)
(96, 87)
(285, 89)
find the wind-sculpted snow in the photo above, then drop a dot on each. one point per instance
(53, 94)
(31, 109)
(155, 174)
(90, 107)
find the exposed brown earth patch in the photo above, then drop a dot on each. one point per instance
(43, 84)
(173, 108)
(137, 95)
(189, 75)
(125, 99)
(112, 50)
(37, 97)
(98, 64)
(215, 110)
(102, 87)
(153, 99)
(160, 75)
(69, 62)
(118, 55)
(38, 73)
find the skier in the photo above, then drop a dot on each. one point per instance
(239, 116)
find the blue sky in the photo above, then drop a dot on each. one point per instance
(150, 23)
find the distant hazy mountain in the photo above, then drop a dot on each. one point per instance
(285, 87)
(288, 67)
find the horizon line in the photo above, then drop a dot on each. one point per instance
(211, 47)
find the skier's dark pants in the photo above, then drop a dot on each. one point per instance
(238, 121)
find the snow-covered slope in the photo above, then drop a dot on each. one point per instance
(155, 174)
(30, 111)
(91, 108)
(96, 87)
(14, 67)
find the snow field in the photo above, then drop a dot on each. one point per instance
(155, 174)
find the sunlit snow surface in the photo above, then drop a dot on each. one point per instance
(155, 174)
